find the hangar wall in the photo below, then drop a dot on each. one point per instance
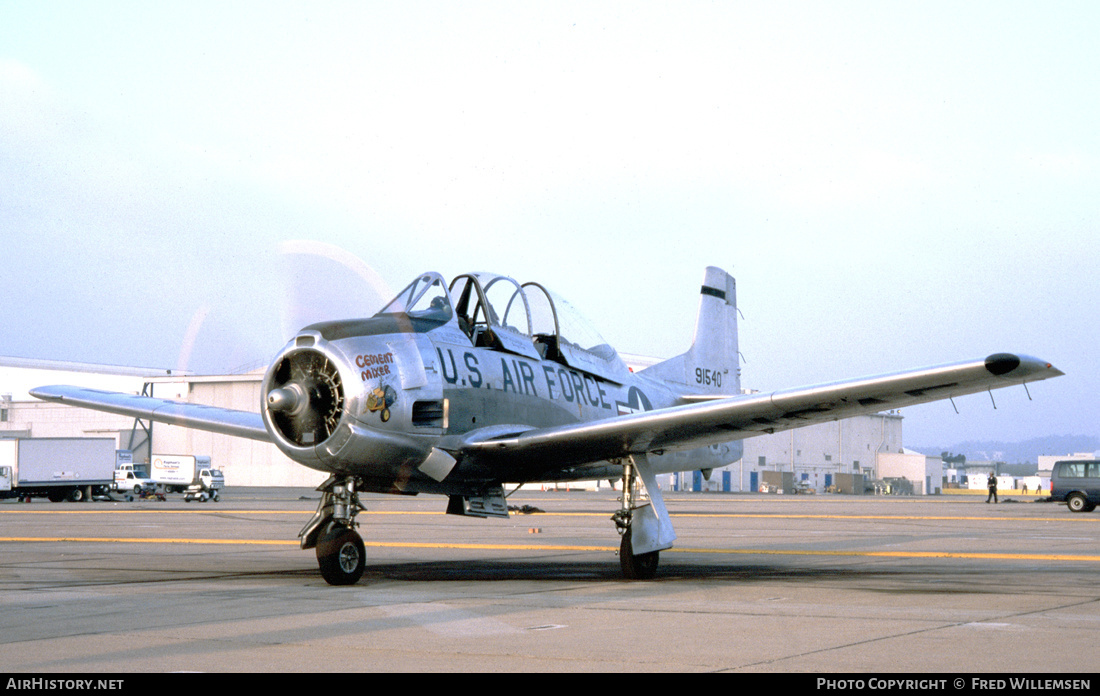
(23, 416)
(244, 462)
(814, 454)
(847, 446)
(925, 473)
(41, 419)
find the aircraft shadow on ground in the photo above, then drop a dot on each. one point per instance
(557, 571)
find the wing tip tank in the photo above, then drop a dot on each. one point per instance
(1010, 364)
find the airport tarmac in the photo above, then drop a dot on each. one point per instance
(756, 583)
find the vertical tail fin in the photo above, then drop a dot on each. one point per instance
(711, 365)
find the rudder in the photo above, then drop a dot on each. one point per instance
(711, 365)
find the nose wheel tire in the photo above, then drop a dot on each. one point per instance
(341, 555)
(642, 566)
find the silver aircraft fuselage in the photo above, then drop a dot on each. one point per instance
(417, 381)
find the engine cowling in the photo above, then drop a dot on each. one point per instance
(325, 415)
(305, 397)
(305, 401)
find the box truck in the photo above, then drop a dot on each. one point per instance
(191, 475)
(58, 468)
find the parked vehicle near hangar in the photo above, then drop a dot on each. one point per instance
(132, 480)
(208, 485)
(194, 476)
(1076, 483)
(57, 468)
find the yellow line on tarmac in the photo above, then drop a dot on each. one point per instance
(966, 518)
(906, 554)
(155, 540)
(717, 515)
(199, 511)
(283, 542)
(484, 547)
(1089, 558)
(787, 516)
(206, 511)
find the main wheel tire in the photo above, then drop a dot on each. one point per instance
(1077, 503)
(341, 555)
(642, 566)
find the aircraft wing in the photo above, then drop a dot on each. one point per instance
(739, 417)
(219, 420)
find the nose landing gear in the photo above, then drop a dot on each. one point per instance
(341, 555)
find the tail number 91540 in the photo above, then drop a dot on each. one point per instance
(710, 378)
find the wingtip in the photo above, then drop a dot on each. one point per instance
(43, 393)
(53, 392)
(1010, 364)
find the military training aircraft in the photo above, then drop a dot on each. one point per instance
(459, 389)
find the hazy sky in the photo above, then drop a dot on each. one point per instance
(894, 184)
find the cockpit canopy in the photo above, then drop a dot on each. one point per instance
(424, 298)
(495, 311)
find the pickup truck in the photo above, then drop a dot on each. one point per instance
(130, 481)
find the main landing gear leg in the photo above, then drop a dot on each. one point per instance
(340, 551)
(646, 529)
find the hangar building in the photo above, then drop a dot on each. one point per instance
(244, 462)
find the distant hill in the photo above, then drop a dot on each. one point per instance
(1027, 451)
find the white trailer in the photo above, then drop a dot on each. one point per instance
(57, 468)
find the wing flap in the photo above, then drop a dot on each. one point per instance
(210, 418)
(738, 417)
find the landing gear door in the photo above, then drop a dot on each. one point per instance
(651, 527)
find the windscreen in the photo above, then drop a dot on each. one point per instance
(424, 298)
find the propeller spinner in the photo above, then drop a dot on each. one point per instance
(306, 397)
